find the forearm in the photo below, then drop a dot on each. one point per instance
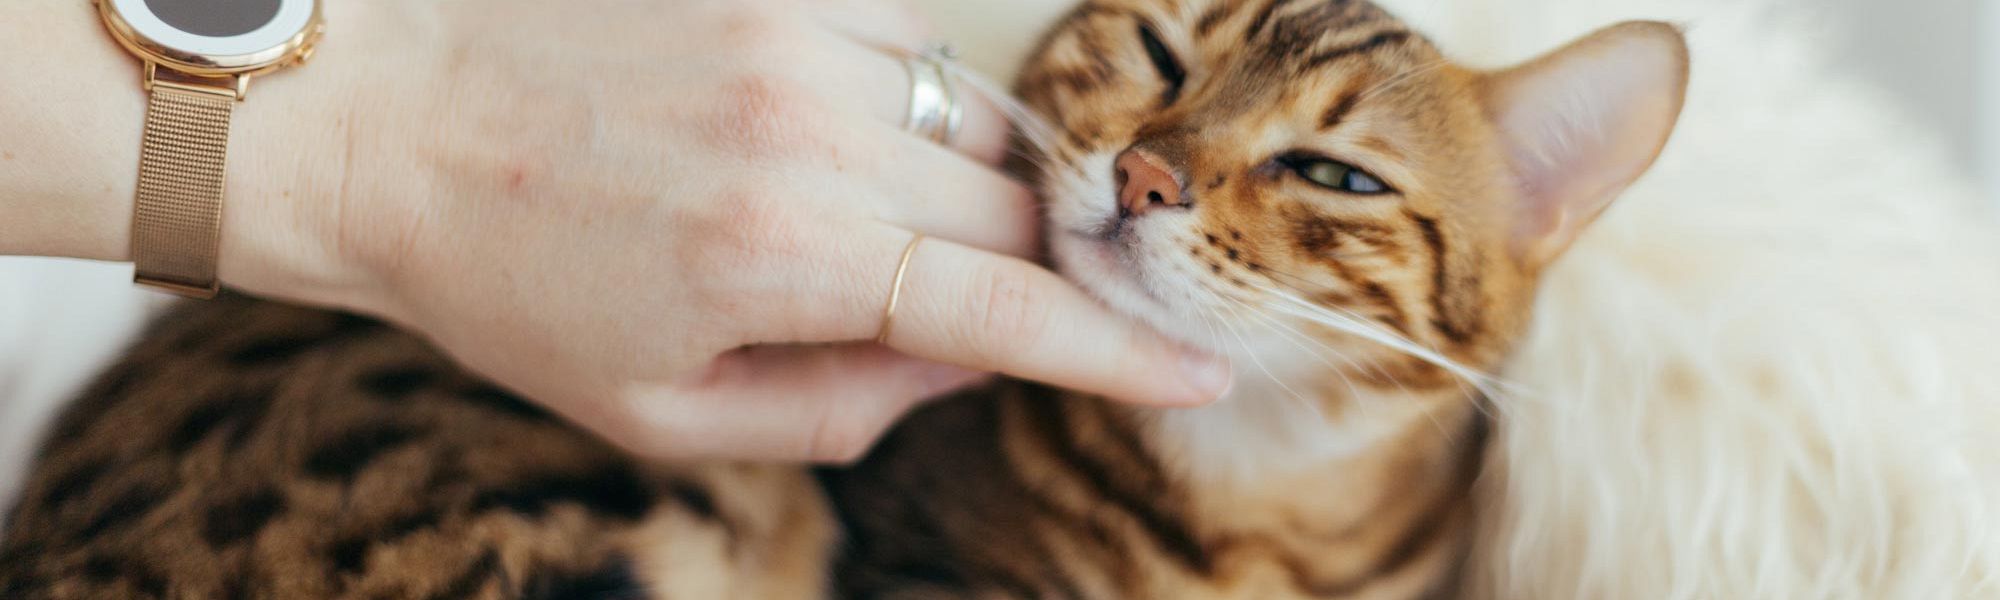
(70, 120)
(72, 110)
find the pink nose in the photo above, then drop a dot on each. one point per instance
(1145, 183)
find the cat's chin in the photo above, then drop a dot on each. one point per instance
(1114, 279)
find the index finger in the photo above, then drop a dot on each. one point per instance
(988, 312)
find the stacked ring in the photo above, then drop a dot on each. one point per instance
(935, 110)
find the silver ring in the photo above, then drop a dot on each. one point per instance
(935, 110)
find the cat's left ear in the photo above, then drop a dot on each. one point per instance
(1580, 124)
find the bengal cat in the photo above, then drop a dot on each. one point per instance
(1305, 185)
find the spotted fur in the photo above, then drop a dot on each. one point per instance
(250, 450)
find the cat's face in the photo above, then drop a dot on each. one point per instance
(1239, 172)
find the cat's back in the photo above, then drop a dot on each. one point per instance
(252, 450)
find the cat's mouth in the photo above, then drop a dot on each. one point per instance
(1111, 263)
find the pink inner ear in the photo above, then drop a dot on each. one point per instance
(1583, 123)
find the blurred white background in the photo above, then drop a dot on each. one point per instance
(1942, 57)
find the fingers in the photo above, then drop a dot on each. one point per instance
(788, 403)
(988, 312)
(878, 22)
(885, 84)
(935, 191)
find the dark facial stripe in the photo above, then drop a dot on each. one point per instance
(1381, 297)
(1263, 18)
(1378, 40)
(1320, 236)
(1441, 314)
(1338, 113)
(1214, 18)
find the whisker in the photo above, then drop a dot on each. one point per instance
(1292, 336)
(1245, 344)
(1368, 331)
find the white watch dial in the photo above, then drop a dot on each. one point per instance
(217, 27)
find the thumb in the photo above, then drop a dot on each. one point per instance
(817, 403)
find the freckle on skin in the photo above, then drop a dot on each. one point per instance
(7, 155)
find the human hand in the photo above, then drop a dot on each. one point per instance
(672, 222)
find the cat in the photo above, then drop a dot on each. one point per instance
(1306, 185)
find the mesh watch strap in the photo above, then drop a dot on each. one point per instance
(177, 217)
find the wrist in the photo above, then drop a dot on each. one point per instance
(304, 217)
(68, 153)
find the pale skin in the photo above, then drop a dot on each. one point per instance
(675, 223)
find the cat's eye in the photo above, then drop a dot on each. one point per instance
(1170, 68)
(1335, 175)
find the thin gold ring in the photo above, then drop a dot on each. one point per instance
(896, 290)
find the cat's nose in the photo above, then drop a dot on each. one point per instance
(1145, 183)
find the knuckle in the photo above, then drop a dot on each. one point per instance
(912, 20)
(754, 26)
(744, 230)
(1012, 316)
(766, 116)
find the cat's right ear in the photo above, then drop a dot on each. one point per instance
(1581, 123)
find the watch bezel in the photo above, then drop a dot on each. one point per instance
(291, 50)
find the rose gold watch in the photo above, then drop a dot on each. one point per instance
(199, 57)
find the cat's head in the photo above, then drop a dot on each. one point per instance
(1241, 173)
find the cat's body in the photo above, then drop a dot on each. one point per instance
(1307, 186)
(254, 450)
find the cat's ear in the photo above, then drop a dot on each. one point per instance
(1580, 124)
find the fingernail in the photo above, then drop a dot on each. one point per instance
(1209, 376)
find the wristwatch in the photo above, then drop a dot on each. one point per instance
(199, 58)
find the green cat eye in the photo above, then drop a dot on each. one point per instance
(1336, 175)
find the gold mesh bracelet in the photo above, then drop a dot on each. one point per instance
(177, 217)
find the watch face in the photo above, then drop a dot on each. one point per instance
(215, 18)
(221, 33)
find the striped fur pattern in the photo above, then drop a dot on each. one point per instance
(252, 450)
(1349, 230)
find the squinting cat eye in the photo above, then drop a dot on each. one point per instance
(1169, 67)
(1334, 175)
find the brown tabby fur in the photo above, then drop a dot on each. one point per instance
(250, 450)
